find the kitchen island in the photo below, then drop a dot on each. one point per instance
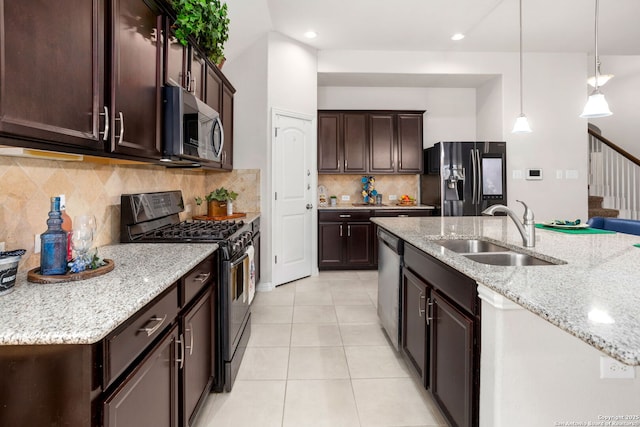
(545, 328)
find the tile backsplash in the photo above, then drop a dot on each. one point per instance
(26, 186)
(351, 185)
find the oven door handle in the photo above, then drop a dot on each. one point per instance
(239, 261)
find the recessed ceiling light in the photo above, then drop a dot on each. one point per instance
(457, 36)
(311, 34)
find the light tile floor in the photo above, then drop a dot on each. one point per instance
(318, 357)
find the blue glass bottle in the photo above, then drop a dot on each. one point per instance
(53, 243)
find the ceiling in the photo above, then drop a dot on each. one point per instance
(427, 25)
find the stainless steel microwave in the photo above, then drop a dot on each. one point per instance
(191, 129)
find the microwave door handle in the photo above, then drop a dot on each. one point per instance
(221, 135)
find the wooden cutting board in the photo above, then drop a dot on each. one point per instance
(219, 218)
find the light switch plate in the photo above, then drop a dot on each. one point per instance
(346, 198)
(534, 174)
(571, 174)
(36, 244)
(1, 246)
(517, 174)
(559, 174)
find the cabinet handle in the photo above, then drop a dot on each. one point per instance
(121, 120)
(420, 310)
(338, 165)
(188, 81)
(202, 277)
(345, 164)
(348, 231)
(403, 216)
(429, 317)
(180, 359)
(340, 230)
(151, 330)
(190, 346)
(345, 216)
(105, 133)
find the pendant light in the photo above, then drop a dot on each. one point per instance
(522, 124)
(596, 104)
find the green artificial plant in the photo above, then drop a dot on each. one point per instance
(206, 22)
(219, 194)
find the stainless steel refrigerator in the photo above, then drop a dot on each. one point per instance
(464, 178)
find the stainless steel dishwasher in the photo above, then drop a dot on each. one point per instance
(390, 251)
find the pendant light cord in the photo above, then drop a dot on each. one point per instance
(521, 102)
(596, 59)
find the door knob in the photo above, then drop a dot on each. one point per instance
(309, 206)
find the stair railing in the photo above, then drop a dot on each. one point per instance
(614, 174)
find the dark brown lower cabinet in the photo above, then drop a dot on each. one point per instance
(452, 351)
(414, 330)
(440, 323)
(345, 240)
(148, 395)
(197, 369)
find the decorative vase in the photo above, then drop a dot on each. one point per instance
(229, 208)
(216, 208)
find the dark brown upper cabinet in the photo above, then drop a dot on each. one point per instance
(196, 73)
(409, 144)
(329, 142)
(213, 89)
(383, 141)
(175, 58)
(134, 74)
(52, 62)
(227, 125)
(380, 142)
(355, 144)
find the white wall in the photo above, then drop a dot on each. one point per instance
(247, 72)
(553, 98)
(623, 95)
(450, 113)
(274, 72)
(489, 111)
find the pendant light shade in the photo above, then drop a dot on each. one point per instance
(522, 124)
(596, 106)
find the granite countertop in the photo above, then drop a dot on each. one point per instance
(86, 311)
(343, 207)
(251, 216)
(601, 276)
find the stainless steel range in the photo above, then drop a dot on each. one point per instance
(154, 218)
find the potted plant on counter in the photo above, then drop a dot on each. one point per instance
(217, 201)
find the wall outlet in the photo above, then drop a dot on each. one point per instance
(517, 174)
(393, 197)
(36, 244)
(1, 246)
(345, 198)
(559, 174)
(610, 368)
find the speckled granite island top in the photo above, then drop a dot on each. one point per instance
(601, 275)
(84, 312)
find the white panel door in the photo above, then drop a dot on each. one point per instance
(292, 185)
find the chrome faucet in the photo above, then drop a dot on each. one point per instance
(527, 228)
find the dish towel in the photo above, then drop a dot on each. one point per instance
(576, 230)
(252, 273)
